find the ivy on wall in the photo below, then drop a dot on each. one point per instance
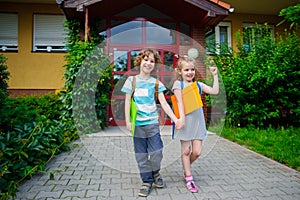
(87, 81)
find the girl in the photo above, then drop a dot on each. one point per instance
(194, 131)
(148, 145)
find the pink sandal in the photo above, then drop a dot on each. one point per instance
(191, 186)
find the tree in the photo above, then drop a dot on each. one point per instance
(291, 14)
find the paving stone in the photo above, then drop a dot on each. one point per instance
(224, 171)
(77, 194)
(249, 193)
(44, 194)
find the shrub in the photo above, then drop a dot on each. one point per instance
(27, 149)
(26, 109)
(262, 85)
(4, 77)
(86, 100)
(31, 134)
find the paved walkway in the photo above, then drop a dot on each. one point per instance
(102, 166)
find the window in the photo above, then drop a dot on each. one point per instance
(160, 33)
(126, 32)
(49, 33)
(8, 32)
(255, 32)
(218, 39)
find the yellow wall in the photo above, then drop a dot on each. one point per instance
(237, 21)
(30, 70)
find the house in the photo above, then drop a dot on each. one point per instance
(33, 40)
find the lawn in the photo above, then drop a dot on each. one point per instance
(281, 145)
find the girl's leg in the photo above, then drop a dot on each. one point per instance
(185, 157)
(196, 150)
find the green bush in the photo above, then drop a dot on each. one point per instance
(87, 82)
(292, 15)
(4, 77)
(27, 149)
(27, 109)
(32, 132)
(263, 84)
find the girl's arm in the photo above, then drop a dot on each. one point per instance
(215, 89)
(178, 95)
(127, 111)
(166, 107)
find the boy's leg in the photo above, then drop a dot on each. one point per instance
(141, 155)
(155, 148)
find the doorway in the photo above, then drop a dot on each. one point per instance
(123, 68)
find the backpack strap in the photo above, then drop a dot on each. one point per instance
(181, 84)
(199, 87)
(156, 90)
(133, 85)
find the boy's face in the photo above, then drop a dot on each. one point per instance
(187, 72)
(148, 64)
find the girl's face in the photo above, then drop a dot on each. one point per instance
(148, 64)
(187, 71)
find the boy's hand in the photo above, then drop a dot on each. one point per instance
(179, 123)
(128, 126)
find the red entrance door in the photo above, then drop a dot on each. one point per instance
(123, 58)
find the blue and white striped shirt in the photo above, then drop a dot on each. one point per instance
(144, 99)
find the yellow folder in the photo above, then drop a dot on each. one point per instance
(191, 99)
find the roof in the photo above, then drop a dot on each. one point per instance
(201, 13)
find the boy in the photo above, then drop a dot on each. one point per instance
(148, 145)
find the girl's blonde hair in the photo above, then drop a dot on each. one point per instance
(189, 60)
(146, 52)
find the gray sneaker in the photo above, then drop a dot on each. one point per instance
(145, 190)
(158, 181)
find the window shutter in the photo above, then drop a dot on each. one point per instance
(8, 31)
(49, 33)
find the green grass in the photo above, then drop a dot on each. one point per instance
(281, 145)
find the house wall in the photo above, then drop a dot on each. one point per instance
(237, 21)
(43, 71)
(32, 70)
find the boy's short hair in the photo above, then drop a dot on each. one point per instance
(146, 52)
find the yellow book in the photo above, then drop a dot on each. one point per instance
(191, 99)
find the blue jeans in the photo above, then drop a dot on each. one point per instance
(148, 148)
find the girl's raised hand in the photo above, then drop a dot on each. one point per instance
(213, 70)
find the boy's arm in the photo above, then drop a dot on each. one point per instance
(127, 111)
(166, 107)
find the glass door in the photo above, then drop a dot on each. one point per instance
(123, 58)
